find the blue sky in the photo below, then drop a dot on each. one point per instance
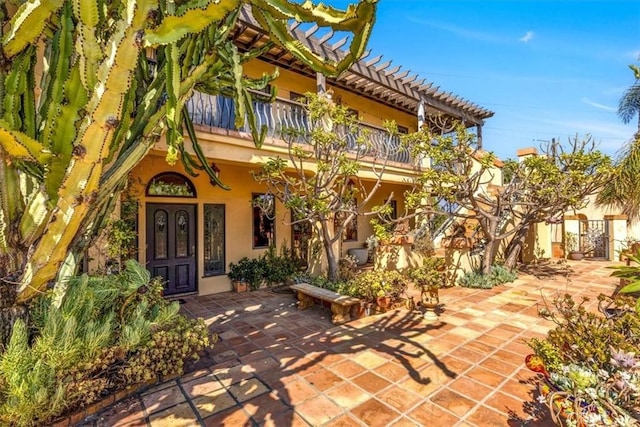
(547, 68)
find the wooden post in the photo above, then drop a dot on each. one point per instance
(321, 83)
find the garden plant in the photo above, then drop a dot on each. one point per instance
(104, 334)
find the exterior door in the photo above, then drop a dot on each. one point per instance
(171, 243)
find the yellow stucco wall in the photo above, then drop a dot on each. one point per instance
(238, 213)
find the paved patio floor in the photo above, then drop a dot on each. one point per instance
(277, 366)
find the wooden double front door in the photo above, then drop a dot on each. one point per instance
(171, 246)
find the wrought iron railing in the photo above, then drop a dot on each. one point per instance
(219, 111)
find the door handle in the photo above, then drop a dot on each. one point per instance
(193, 250)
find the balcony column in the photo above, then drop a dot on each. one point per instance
(321, 83)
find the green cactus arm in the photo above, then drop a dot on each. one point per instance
(15, 84)
(34, 218)
(173, 107)
(27, 24)
(10, 208)
(56, 78)
(88, 48)
(64, 133)
(213, 177)
(359, 21)
(77, 190)
(174, 28)
(353, 19)
(21, 146)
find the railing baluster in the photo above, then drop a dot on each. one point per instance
(219, 111)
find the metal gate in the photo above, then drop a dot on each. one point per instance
(594, 238)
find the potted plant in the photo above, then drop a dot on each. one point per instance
(236, 275)
(572, 246)
(429, 278)
(248, 271)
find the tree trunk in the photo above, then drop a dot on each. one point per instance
(9, 312)
(332, 259)
(514, 247)
(488, 258)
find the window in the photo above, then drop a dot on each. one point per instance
(170, 184)
(214, 239)
(264, 213)
(403, 130)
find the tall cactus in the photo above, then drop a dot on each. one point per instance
(80, 107)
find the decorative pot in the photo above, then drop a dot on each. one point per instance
(239, 286)
(430, 299)
(383, 302)
(361, 255)
(576, 255)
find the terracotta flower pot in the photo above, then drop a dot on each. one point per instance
(240, 286)
(383, 302)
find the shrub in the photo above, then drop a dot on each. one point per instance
(429, 275)
(250, 270)
(373, 284)
(278, 268)
(103, 334)
(498, 276)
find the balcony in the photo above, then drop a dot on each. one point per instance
(219, 111)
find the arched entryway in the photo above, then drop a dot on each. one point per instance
(171, 233)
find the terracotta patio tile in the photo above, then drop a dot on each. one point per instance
(454, 402)
(455, 365)
(484, 416)
(265, 407)
(499, 366)
(371, 382)
(330, 359)
(403, 422)
(391, 371)
(180, 415)
(507, 356)
(163, 399)
(247, 389)
(507, 405)
(468, 354)
(345, 420)
(323, 379)
(213, 402)
(231, 417)
(287, 418)
(484, 376)
(296, 392)
(347, 369)
(347, 395)
(374, 413)
(228, 376)
(318, 410)
(124, 414)
(401, 399)
(469, 388)
(263, 364)
(426, 415)
(369, 360)
(200, 386)
(480, 347)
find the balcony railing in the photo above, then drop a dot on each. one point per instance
(219, 111)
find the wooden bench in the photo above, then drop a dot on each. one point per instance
(340, 304)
